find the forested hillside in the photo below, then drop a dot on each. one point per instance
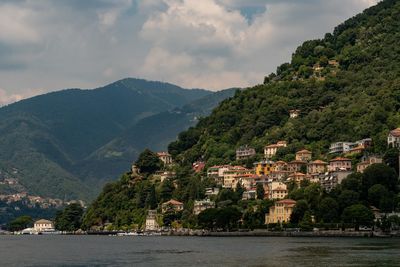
(358, 98)
(46, 140)
(345, 86)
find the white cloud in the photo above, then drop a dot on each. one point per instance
(193, 43)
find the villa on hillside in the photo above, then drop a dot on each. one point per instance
(280, 212)
(296, 165)
(200, 205)
(245, 152)
(172, 204)
(368, 162)
(339, 164)
(393, 139)
(263, 167)
(304, 155)
(270, 150)
(317, 166)
(277, 190)
(165, 157)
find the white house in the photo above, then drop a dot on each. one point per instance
(393, 139)
(43, 225)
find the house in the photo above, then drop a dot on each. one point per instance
(393, 139)
(245, 152)
(280, 166)
(270, 150)
(297, 177)
(317, 166)
(166, 175)
(279, 175)
(280, 212)
(339, 164)
(43, 225)
(232, 175)
(249, 194)
(248, 180)
(151, 221)
(340, 147)
(277, 190)
(296, 165)
(198, 166)
(200, 205)
(333, 63)
(212, 191)
(165, 157)
(217, 173)
(330, 180)
(172, 204)
(368, 162)
(356, 150)
(304, 155)
(294, 113)
(263, 167)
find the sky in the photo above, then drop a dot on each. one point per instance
(48, 45)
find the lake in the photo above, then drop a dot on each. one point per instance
(45, 250)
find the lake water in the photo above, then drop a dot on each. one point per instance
(196, 251)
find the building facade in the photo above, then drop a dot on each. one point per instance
(43, 225)
(304, 155)
(245, 152)
(393, 138)
(339, 164)
(280, 212)
(270, 150)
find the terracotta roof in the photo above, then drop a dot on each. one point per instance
(340, 159)
(279, 189)
(297, 174)
(163, 154)
(304, 151)
(280, 162)
(173, 202)
(319, 162)
(395, 132)
(297, 161)
(286, 201)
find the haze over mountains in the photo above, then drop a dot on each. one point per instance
(66, 144)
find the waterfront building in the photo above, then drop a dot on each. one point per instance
(200, 205)
(43, 225)
(151, 221)
(280, 212)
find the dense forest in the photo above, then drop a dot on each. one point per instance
(346, 87)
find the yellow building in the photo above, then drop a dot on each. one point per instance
(263, 167)
(280, 212)
(277, 190)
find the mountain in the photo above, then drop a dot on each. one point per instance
(345, 87)
(43, 139)
(154, 132)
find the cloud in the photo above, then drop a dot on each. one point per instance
(212, 44)
(6, 98)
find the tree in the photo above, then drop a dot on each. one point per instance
(328, 210)
(353, 182)
(70, 218)
(358, 215)
(306, 222)
(299, 210)
(260, 191)
(207, 218)
(376, 193)
(348, 198)
(391, 158)
(239, 191)
(228, 218)
(148, 162)
(379, 174)
(167, 187)
(20, 223)
(151, 199)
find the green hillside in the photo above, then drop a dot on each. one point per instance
(346, 86)
(357, 99)
(45, 138)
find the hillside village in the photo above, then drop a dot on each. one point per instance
(275, 178)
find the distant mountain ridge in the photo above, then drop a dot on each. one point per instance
(46, 138)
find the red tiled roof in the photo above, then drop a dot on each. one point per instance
(340, 159)
(297, 161)
(304, 151)
(173, 202)
(319, 162)
(286, 201)
(395, 132)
